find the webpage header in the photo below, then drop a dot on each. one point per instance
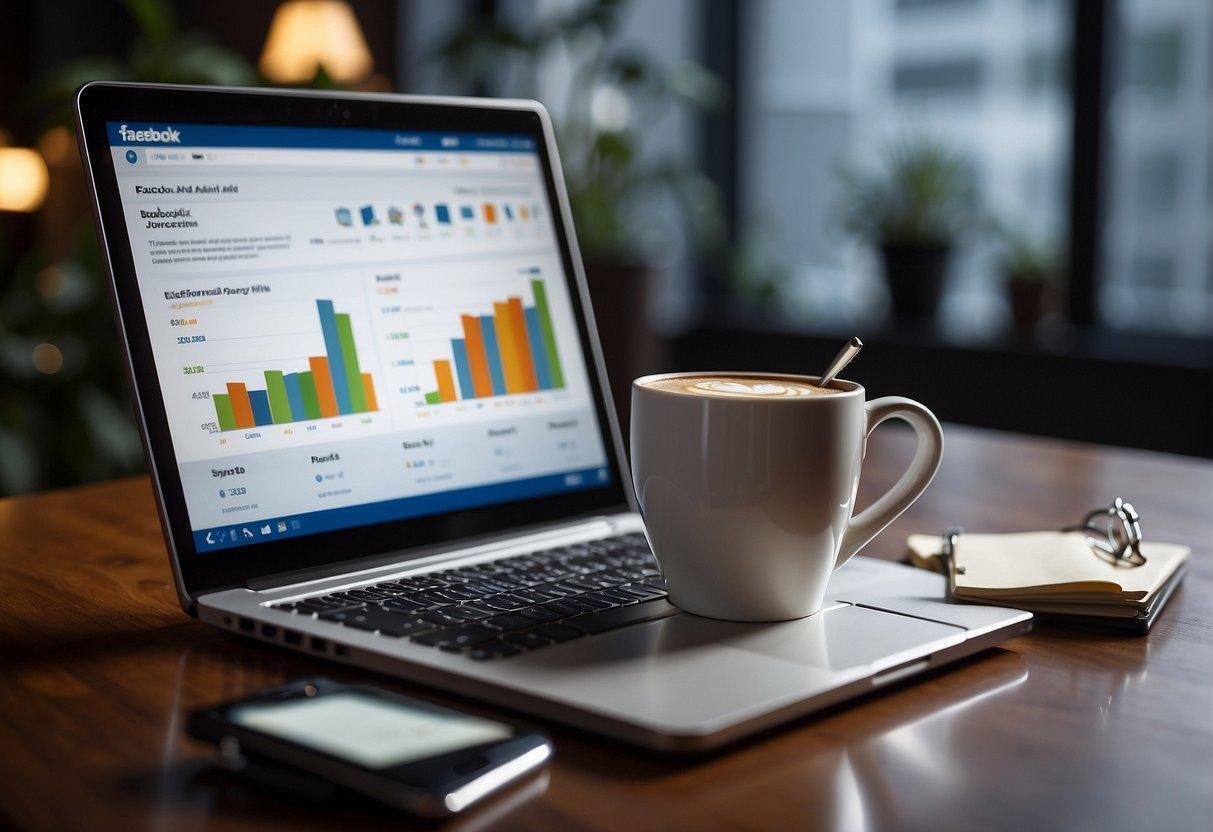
(136, 134)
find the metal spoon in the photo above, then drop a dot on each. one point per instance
(848, 352)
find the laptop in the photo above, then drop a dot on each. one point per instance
(380, 432)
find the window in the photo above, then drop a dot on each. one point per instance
(824, 84)
(1155, 269)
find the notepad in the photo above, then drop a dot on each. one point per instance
(1054, 573)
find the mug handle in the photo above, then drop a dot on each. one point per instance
(871, 521)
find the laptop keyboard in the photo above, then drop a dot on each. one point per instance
(505, 607)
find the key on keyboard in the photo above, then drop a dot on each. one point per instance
(505, 607)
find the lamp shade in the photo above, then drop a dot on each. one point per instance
(23, 179)
(308, 34)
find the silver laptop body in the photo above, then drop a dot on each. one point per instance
(681, 683)
(674, 682)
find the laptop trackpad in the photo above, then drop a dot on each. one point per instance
(685, 669)
(843, 637)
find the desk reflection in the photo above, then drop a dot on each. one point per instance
(876, 779)
(955, 739)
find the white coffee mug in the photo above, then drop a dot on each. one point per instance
(748, 502)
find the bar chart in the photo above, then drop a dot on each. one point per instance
(333, 385)
(512, 350)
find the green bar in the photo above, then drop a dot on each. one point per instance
(353, 374)
(311, 402)
(223, 409)
(433, 398)
(549, 335)
(280, 405)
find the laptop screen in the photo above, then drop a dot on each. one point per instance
(354, 326)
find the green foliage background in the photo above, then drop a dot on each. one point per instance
(75, 425)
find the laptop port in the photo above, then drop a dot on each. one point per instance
(341, 650)
(319, 644)
(246, 625)
(292, 637)
(269, 631)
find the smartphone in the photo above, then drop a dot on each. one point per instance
(412, 755)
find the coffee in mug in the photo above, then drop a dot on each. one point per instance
(763, 387)
(747, 485)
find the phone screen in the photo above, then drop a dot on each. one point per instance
(367, 731)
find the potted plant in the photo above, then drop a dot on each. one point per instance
(912, 208)
(1032, 269)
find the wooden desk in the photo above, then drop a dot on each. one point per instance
(1056, 729)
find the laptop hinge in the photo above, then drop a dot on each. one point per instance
(479, 545)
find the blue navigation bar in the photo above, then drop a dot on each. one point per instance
(175, 134)
(296, 525)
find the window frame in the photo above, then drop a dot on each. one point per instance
(1091, 21)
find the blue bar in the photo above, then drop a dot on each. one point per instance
(294, 395)
(332, 346)
(260, 401)
(405, 507)
(460, 349)
(539, 352)
(442, 213)
(491, 351)
(176, 134)
(467, 212)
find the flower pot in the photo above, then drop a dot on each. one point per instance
(1031, 300)
(915, 274)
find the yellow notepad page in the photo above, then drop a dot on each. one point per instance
(1043, 563)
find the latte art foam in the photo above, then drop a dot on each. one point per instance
(740, 387)
(765, 389)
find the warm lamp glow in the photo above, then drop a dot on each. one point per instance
(308, 34)
(23, 179)
(56, 146)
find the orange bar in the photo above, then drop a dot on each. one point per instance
(506, 345)
(446, 382)
(241, 406)
(324, 385)
(526, 365)
(368, 387)
(473, 339)
(490, 213)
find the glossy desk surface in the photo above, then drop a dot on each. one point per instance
(1055, 729)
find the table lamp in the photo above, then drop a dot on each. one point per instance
(307, 35)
